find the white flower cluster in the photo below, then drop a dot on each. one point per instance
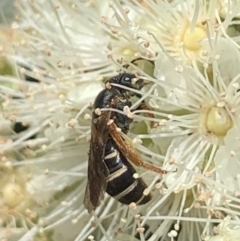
(59, 54)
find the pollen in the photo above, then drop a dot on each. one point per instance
(141, 229)
(132, 205)
(218, 121)
(11, 194)
(146, 191)
(172, 233)
(126, 51)
(135, 175)
(98, 111)
(191, 39)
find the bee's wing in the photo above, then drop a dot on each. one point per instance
(97, 170)
(128, 150)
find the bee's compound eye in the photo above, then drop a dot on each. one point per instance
(123, 79)
(126, 79)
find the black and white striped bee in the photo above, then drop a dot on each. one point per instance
(109, 169)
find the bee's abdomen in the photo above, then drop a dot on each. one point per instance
(121, 183)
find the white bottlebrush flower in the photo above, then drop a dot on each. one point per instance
(203, 126)
(226, 231)
(177, 27)
(45, 121)
(197, 110)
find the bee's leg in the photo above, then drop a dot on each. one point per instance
(129, 151)
(144, 106)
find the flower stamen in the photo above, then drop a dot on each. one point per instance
(218, 121)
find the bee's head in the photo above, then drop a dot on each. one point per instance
(128, 80)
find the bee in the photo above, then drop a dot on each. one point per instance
(109, 169)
